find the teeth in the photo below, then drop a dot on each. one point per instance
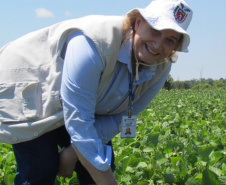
(152, 51)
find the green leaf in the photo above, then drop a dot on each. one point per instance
(222, 179)
(9, 178)
(162, 161)
(74, 179)
(148, 150)
(130, 169)
(138, 174)
(142, 165)
(192, 158)
(192, 181)
(224, 169)
(209, 178)
(169, 178)
(134, 161)
(168, 150)
(4, 149)
(125, 162)
(158, 155)
(126, 178)
(153, 138)
(217, 171)
(215, 156)
(0, 160)
(199, 176)
(176, 162)
(137, 152)
(205, 151)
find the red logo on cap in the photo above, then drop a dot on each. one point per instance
(180, 13)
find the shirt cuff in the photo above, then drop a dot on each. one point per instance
(95, 152)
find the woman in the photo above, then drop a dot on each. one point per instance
(113, 68)
(153, 44)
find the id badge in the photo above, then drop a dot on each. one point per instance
(128, 127)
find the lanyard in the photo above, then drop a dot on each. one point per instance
(131, 95)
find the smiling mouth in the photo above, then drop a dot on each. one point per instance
(151, 51)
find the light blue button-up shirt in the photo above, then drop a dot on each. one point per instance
(85, 118)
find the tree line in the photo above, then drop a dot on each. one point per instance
(201, 83)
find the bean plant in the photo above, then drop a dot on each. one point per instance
(181, 140)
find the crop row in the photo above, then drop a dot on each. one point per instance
(181, 140)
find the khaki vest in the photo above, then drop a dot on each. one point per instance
(30, 75)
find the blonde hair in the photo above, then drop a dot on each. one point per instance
(129, 23)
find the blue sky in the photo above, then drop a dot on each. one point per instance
(207, 56)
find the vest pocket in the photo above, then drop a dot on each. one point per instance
(20, 101)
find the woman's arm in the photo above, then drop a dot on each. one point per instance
(100, 177)
(68, 159)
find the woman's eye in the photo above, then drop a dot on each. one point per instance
(171, 42)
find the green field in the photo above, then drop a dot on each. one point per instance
(181, 140)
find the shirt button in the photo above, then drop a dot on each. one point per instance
(15, 139)
(35, 133)
(119, 97)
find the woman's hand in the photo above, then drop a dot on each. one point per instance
(67, 161)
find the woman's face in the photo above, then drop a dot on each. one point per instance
(151, 45)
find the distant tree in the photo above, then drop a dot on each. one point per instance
(187, 84)
(169, 83)
(202, 80)
(194, 82)
(202, 86)
(218, 84)
(210, 81)
(223, 80)
(201, 83)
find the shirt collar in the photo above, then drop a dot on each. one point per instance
(124, 56)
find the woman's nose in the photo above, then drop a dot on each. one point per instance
(158, 43)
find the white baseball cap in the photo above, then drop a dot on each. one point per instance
(169, 14)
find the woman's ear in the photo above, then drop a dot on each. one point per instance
(138, 21)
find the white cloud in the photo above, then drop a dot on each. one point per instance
(67, 13)
(43, 13)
